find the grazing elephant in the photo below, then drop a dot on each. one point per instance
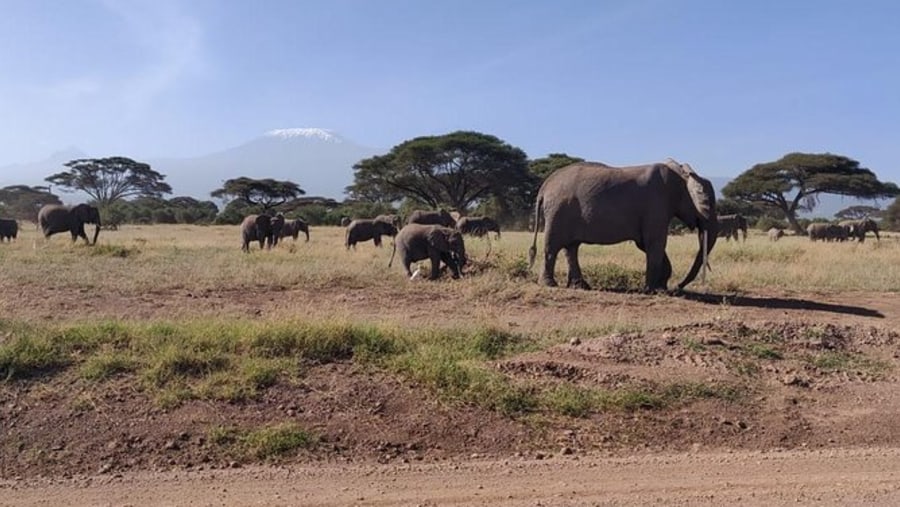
(257, 228)
(345, 221)
(859, 228)
(391, 219)
(9, 229)
(827, 232)
(54, 218)
(293, 228)
(593, 203)
(729, 225)
(417, 242)
(477, 226)
(439, 217)
(364, 229)
(775, 234)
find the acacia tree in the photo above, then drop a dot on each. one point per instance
(859, 211)
(543, 167)
(457, 170)
(108, 180)
(794, 182)
(266, 193)
(23, 202)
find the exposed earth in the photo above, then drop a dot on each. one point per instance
(815, 415)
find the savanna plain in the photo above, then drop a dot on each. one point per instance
(165, 366)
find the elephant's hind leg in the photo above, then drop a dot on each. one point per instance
(550, 254)
(575, 277)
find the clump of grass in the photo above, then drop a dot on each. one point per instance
(106, 365)
(28, 356)
(514, 268)
(614, 277)
(763, 351)
(263, 443)
(108, 250)
(575, 401)
(839, 361)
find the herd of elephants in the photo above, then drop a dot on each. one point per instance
(582, 203)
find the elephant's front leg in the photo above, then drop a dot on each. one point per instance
(435, 264)
(659, 269)
(576, 279)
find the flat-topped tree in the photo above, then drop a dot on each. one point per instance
(266, 193)
(794, 182)
(111, 179)
(858, 212)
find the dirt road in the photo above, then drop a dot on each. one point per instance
(831, 477)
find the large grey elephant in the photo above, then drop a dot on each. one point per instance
(439, 217)
(416, 242)
(257, 228)
(478, 226)
(9, 229)
(593, 203)
(859, 228)
(293, 228)
(775, 234)
(54, 218)
(364, 229)
(827, 232)
(730, 225)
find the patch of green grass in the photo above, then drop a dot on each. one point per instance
(848, 362)
(610, 276)
(105, 365)
(28, 356)
(575, 401)
(693, 345)
(763, 351)
(263, 443)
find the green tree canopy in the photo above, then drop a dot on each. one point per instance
(794, 182)
(23, 202)
(859, 211)
(456, 170)
(108, 180)
(543, 167)
(891, 216)
(266, 193)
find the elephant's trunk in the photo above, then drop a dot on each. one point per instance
(393, 251)
(712, 231)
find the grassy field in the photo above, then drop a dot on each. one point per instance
(147, 258)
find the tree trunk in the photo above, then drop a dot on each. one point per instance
(792, 219)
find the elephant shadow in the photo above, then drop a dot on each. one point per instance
(779, 303)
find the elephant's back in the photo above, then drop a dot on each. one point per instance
(52, 212)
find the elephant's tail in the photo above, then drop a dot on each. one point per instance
(532, 252)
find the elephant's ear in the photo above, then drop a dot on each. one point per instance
(700, 189)
(264, 221)
(437, 238)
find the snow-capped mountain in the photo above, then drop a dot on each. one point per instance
(319, 160)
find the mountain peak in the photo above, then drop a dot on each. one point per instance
(305, 133)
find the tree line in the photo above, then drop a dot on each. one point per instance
(470, 172)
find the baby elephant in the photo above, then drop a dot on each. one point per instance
(417, 242)
(775, 234)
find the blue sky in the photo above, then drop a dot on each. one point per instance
(721, 85)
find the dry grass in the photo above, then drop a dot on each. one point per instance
(140, 259)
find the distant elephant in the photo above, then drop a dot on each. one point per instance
(859, 228)
(293, 228)
(827, 232)
(391, 219)
(439, 217)
(416, 242)
(775, 234)
(364, 229)
(257, 228)
(345, 221)
(729, 225)
(477, 226)
(593, 203)
(277, 228)
(9, 229)
(54, 218)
